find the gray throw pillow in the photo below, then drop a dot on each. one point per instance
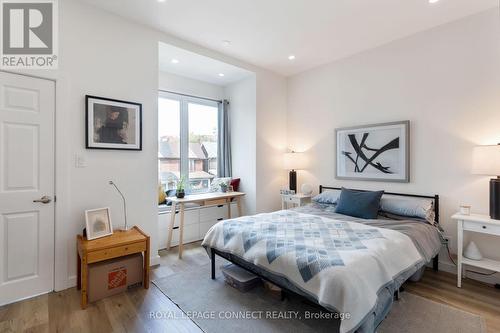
(327, 197)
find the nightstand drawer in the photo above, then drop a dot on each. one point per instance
(291, 199)
(482, 227)
(114, 252)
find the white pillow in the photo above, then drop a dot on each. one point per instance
(215, 185)
(409, 207)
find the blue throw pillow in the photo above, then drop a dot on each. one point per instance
(359, 204)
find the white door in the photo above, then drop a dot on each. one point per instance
(27, 110)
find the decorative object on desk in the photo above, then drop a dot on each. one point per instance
(465, 209)
(230, 188)
(98, 223)
(472, 252)
(294, 161)
(223, 187)
(306, 189)
(181, 190)
(377, 152)
(124, 203)
(113, 124)
(486, 161)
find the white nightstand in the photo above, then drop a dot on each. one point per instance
(476, 223)
(294, 200)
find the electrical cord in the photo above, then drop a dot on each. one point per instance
(468, 271)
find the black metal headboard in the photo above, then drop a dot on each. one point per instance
(434, 197)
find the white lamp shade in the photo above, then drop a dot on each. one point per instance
(486, 160)
(295, 161)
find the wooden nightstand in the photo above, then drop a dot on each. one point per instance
(294, 200)
(119, 244)
(475, 223)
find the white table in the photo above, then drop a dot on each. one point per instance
(475, 223)
(294, 200)
(204, 199)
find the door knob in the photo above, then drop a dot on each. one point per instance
(45, 199)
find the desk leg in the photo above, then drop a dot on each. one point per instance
(78, 271)
(238, 203)
(181, 231)
(228, 202)
(84, 282)
(460, 239)
(171, 226)
(146, 265)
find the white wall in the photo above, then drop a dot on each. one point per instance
(106, 55)
(183, 85)
(271, 129)
(446, 81)
(242, 98)
(258, 129)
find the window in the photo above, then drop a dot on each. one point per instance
(187, 141)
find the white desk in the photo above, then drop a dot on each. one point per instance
(475, 223)
(204, 198)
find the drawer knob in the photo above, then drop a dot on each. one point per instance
(484, 227)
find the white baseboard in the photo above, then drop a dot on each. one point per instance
(154, 260)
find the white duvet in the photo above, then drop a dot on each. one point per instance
(342, 264)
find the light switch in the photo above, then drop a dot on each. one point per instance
(80, 161)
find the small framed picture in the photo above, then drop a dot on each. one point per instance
(112, 124)
(98, 222)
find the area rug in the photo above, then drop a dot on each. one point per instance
(218, 308)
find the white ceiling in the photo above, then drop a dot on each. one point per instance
(266, 32)
(198, 67)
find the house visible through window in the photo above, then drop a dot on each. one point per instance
(187, 141)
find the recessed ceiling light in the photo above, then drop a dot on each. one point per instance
(291, 57)
(221, 74)
(433, 1)
(174, 61)
(161, 0)
(226, 42)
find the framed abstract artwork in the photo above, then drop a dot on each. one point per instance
(379, 152)
(113, 124)
(98, 223)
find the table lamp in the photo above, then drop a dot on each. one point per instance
(294, 161)
(124, 203)
(486, 161)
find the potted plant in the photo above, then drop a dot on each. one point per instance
(223, 187)
(180, 192)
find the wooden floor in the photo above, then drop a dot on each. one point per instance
(130, 311)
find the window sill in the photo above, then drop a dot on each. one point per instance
(163, 208)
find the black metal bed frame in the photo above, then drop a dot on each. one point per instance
(213, 252)
(435, 260)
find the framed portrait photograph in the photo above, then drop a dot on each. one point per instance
(98, 223)
(112, 124)
(379, 152)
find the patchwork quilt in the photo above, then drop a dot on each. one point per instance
(342, 264)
